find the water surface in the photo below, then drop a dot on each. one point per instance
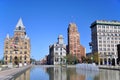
(58, 73)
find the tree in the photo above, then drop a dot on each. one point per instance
(71, 59)
(83, 58)
(93, 57)
(96, 57)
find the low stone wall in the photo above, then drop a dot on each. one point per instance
(11, 73)
(109, 67)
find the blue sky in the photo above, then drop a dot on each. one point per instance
(44, 20)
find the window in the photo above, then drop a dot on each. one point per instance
(56, 49)
(103, 26)
(108, 38)
(115, 27)
(115, 34)
(6, 47)
(25, 52)
(104, 53)
(20, 52)
(10, 58)
(108, 49)
(6, 42)
(15, 52)
(6, 57)
(100, 45)
(10, 52)
(104, 45)
(61, 53)
(108, 45)
(20, 57)
(10, 47)
(25, 57)
(16, 40)
(6, 52)
(56, 53)
(100, 49)
(100, 38)
(112, 45)
(19, 27)
(61, 49)
(20, 47)
(25, 47)
(112, 49)
(100, 41)
(104, 49)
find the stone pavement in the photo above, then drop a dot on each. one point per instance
(9, 74)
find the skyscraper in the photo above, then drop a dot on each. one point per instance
(17, 48)
(74, 46)
(105, 37)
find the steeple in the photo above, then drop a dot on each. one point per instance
(7, 36)
(20, 26)
(20, 23)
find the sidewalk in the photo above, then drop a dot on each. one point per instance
(9, 74)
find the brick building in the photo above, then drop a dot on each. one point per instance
(74, 46)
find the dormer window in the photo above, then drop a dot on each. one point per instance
(19, 27)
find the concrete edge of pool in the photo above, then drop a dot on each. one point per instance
(12, 73)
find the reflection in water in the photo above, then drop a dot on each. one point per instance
(89, 75)
(109, 75)
(58, 73)
(24, 76)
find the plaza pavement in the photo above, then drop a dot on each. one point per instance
(9, 74)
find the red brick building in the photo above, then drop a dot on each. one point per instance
(74, 46)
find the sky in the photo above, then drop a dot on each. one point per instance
(44, 20)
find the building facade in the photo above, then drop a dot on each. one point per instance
(74, 46)
(17, 48)
(57, 52)
(105, 37)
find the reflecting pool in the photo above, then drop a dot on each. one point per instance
(58, 73)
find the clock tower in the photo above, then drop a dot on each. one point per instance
(17, 48)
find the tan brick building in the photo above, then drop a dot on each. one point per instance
(74, 46)
(17, 48)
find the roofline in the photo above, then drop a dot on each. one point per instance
(105, 22)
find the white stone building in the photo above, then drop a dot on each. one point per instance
(57, 52)
(105, 37)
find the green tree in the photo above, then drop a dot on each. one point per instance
(71, 59)
(83, 59)
(96, 57)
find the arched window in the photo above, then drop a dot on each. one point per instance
(19, 27)
(20, 57)
(25, 57)
(25, 42)
(6, 57)
(10, 58)
(25, 52)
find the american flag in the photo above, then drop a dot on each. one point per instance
(14, 45)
